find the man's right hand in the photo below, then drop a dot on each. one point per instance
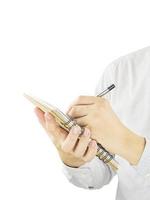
(73, 151)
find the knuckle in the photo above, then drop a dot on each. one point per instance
(96, 147)
(93, 149)
(75, 132)
(103, 103)
(71, 138)
(87, 133)
(77, 155)
(65, 148)
(79, 98)
(72, 111)
(50, 127)
(85, 158)
(94, 152)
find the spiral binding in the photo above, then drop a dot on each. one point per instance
(103, 154)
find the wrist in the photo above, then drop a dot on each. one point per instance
(133, 147)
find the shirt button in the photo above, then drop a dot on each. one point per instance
(91, 187)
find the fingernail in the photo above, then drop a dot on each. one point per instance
(93, 143)
(76, 129)
(87, 133)
(48, 116)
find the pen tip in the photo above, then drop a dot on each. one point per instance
(111, 87)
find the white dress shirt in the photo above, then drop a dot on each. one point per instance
(130, 100)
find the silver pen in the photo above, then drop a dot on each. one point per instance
(102, 153)
(106, 91)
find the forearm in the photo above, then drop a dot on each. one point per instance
(132, 146)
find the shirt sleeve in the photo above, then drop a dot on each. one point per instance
(138, 175)
(94, 174)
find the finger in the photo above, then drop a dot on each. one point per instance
(82, 121)
(71, 139)
(53, 129)
(84, 100)
(78, 111)
(40, 115)
(82, 143)
(91, 151)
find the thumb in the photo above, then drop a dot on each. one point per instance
(56, 133)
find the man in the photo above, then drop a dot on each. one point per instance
(119, 121)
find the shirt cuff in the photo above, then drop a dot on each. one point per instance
(95, 174)
(87, 166)
(80, 176)
(143, 166)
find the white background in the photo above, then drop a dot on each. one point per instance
(56, 50)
